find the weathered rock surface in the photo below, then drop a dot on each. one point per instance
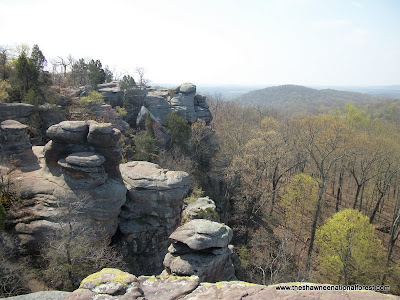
(69, 132)
(85, 159)
(182, 99)
(45, 295)
(114, 284)
(161, 136)
(77, 176)
(202, 234)
(112, 93)
(14, 137)
(202, 208)
(151, 213)
(15, 111)
(70, 137)
(200, 247)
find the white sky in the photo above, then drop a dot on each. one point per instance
(307, 42)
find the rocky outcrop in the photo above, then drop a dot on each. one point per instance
(78, 180)
(151, 213)
(202, 208)
(112, 93)
(84, 136)
(115, 284)
(182, 99)
(161, 136)
(16, 111)
(200, 247)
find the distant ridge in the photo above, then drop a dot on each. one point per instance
(294, 99)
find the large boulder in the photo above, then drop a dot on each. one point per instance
(16, 111)
(14, 137)
(69, 132)
(200, 247)
(152, 212)
(201, 234)
(112, 93)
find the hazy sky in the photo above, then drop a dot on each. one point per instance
(308, 42)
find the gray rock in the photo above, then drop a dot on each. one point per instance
(201, 234)
(167, 288)
(15, 111)
(82, 177)
(141, 118)
(152, 211)
(85, 159)
(161, 136)
(103, 134)
(14, 137)
(181, 99)
(95, 197)
(71, 132)
(157, 103)
(46, 295)
(209, 267)
(187, 88)
(111, 93)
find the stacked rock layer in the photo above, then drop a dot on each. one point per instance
(151, 213)
(200, 247)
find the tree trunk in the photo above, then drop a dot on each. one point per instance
(339, 191)
(314, 226)
(372, 217)
(357, 194)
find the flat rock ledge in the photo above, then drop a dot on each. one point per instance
(115, 284)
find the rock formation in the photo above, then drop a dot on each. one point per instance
(161, 136)
(200, 247)
(16, 111)
(14, 138)
(115, 284)
(111, 93)
(182, 99)
(80, 174)
(151, 213)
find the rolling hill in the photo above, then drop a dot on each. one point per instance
(294, 99)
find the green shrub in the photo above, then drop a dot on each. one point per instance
(194, 195)
(208, 214)
(122, 111)
(94, 98)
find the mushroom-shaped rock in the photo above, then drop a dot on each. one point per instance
(85, 159)
(201, 234)
(14, 136)
(74, 132)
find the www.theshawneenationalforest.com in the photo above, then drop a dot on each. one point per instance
(340, 287)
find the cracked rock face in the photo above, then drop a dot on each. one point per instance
(182, 99)
(151, 213)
